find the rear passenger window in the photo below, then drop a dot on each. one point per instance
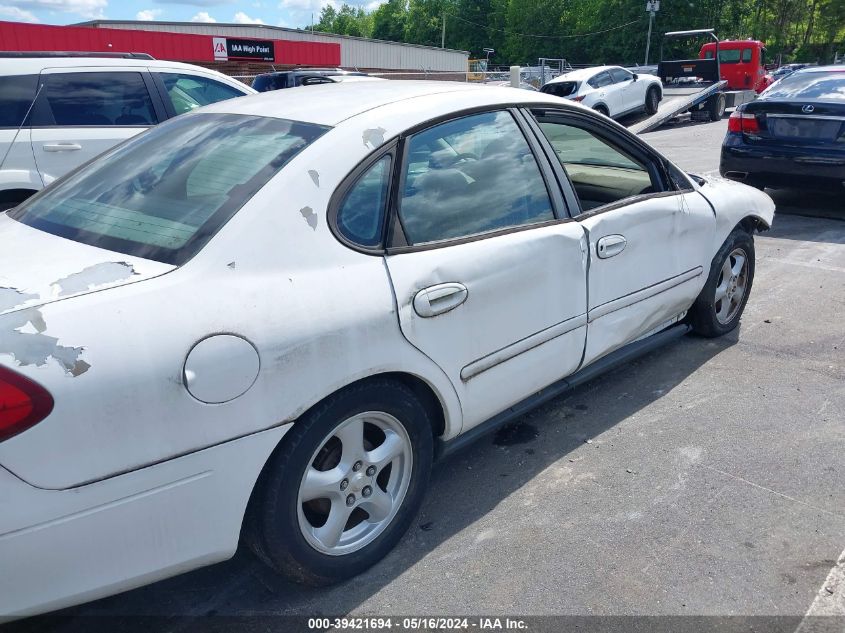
(188, 92)
(469, 176)
(361, 214)
(99, 99)
(16, 95)
(600, 173)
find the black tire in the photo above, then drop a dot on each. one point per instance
(716, 107)
(273, 530)
(652, 100)
(703, 314)
(602, 110)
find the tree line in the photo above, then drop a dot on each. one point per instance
(595, 31)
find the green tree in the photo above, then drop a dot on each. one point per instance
(389, 21)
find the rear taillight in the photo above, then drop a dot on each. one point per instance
(581, 98)
(743, 123)
(23, 403)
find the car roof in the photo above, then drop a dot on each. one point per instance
(582, 74)
(34, 65)
(333, 103)
(838, 68)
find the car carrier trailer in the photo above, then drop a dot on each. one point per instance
(693, 85)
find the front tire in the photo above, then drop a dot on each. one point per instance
(602, 110)
(719, 307)
(344, 484)
(652, 101)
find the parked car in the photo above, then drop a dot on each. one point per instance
(793, 135)
(786, 70)
(611, 90)
(267, 317)
(77, 107)
(302, 77)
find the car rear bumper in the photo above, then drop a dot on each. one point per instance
(63, 547)
(786, 167)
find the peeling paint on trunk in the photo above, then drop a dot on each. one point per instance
(94, 276)
(374, 137)
(314, 176)
(22, 336)
(11, 298)
(310, 216)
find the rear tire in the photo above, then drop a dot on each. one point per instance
(716, 107)
(652, 101)
(375, 439)
(719, 307)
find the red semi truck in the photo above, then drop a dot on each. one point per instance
(741, 62)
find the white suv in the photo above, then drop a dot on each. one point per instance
(58, 112)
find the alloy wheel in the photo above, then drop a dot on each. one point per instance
(355, 483)
(732, 285)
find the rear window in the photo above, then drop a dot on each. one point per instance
(561, 89)
(99, 99)
(163, 194)
(16, 96)
(815, 86)
(264, 83)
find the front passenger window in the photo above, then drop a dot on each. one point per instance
(187, 92)
(468, 176)
(600, 172)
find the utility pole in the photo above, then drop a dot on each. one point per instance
(443, 33)
(652, 6)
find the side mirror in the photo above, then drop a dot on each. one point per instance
(635, 76)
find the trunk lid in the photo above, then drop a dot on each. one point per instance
(799, 123)
(37, 268)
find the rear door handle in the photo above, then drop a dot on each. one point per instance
(61, 147)
(439, 299)
(610, 245)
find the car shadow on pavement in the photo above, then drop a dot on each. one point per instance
(463, 489)
(809, 203)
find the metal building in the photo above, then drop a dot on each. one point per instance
(355, 52)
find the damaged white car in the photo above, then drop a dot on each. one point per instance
(267, 319)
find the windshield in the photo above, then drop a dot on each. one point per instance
(164, 194)
(816, 86)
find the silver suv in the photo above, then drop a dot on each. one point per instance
(58, 111)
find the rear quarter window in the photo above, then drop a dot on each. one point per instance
(16, 96)
(163, 194)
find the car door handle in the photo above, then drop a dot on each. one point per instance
(61, 147)
(439, 299)
(610, 245)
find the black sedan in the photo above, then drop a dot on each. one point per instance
(793, 135)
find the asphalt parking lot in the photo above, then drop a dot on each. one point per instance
(706, 478)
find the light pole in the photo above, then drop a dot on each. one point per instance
(652, 7)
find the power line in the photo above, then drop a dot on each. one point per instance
(550, 37)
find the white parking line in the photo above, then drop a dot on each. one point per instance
(830, 600)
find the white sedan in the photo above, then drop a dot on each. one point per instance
(611, 90)
(267, 318)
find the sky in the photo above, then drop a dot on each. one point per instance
(290, 13)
